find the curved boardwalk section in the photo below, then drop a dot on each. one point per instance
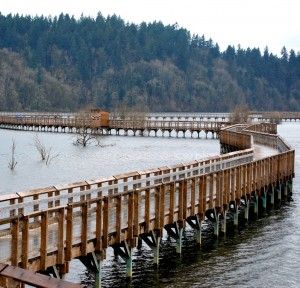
(44, 229)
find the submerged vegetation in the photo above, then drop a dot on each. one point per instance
(12, 163)
(44, 152)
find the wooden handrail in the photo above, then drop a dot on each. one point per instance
(36, 199)
(48, 226)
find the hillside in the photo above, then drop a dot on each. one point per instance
(64, 64)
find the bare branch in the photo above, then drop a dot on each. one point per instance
(43, 151)
(83, 124)
(12, 163)
(240, 114)
(50, 157)
(40, 147)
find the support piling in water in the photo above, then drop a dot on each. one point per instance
(93, 262)
(213, 216)
(195, 222)
(246, 209)
(272, 198)
(264, 198)
(175, 230)
(216, 227)
(255, 204)
(164, 198)
(278, 192)
(124, 250)
(152, 239)
(223, 222)
(234, 209)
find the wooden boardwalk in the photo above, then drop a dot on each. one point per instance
(258, 116)
(46, 228)
(274, 116)
(143, 125)
(17, 275)
(135, 126)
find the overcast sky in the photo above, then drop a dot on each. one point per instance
(250, 23)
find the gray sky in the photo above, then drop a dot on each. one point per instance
(255, 23)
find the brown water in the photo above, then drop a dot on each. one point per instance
(265, 253)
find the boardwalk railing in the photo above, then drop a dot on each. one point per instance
(35, 200)
(72, 123)
(166, 124)
(49, 227)
(143, 125)
(252, 116)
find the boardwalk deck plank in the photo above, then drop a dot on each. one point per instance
(92, 215)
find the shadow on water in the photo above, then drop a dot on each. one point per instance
(210, 265)
(264, 253)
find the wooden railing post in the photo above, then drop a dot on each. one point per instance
(162, 205)
(25, 241)
(60, 236)
(84, 228)
(157, 207)
(193, 196)
(99, 226)
(105, 222)
(147, 210)
(180, 200)
(15, 241)
(69, 233)
(226, 188)
(172, 201)
(136, 214)
(118, 203)
(44, 240)
(216, 187)
(130, 215)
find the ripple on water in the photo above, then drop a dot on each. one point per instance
(264, 253)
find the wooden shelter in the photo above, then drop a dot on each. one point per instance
(99, 118)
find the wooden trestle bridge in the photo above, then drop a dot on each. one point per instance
(44, 229)
(140, 125)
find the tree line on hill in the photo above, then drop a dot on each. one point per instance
(63, 64)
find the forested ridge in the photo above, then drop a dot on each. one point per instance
(64, 64)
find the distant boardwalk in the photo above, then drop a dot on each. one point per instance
(142, 124)
(44, 229)
(114, 125)
(252, 116)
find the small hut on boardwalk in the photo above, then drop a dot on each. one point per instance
(99, 118)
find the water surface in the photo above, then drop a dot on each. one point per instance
(265, 253)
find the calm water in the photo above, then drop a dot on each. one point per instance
(266, 253)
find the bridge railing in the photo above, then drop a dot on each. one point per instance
(270, 128)
(164, 124)
(134, 123)
(48, 226)
(94, 221)
(37, 120)
(235, 139)
(39, 114)
(270, 140)
(242, 136)
(54, 196)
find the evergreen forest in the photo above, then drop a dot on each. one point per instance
(64, 64)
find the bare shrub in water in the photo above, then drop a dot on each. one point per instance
(12, 162)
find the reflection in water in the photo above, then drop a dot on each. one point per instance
(265, 253)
